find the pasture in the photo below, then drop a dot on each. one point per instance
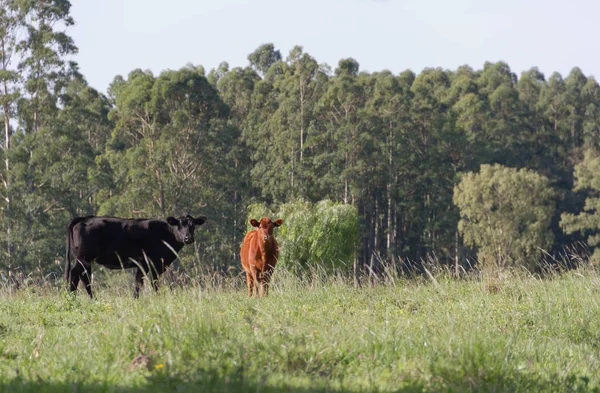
(507, 334)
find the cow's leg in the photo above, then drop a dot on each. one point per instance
(81, 271)
(86, 277)
(75, 276)
(250, 283)
(266, 279)
(139, 281)
(260, 280)
(255, 282)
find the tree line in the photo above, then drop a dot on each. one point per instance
(281, 130)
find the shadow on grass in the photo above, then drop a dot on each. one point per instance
(484, 381)
(203, 381)
(206, 381)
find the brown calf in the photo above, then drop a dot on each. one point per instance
(259, 255)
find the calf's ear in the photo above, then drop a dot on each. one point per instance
(172, 221)
(200, 220)
(278, 222)
(254, 223)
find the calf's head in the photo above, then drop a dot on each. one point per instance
(265, 227)
(183, 227)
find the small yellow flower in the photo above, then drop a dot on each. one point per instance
(159, 366)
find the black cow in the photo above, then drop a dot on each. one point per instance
(150, 245)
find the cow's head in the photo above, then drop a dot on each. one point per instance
(183, 227)
(265, 226)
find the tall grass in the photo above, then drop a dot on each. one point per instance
(509, 332)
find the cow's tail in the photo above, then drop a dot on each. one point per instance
(70, 226)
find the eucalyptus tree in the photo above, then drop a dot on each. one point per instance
(305, 89)
(587, 221)
(264, 57)
(542, 140)
(436, 148)
(217, 73)
(298, 85)
(279, 124)
(51, 174)
(506, 214)
(389, 106)
(530, 86)
(53, 171)
(43, 54)
(88, 109)
(553, 104)
(591, 116)
(236, 89)
(32, 38)
(172, 151)
(574, 84)
(10, 25)
(262, 142)
(170, 131)
(340, 110)
(503, 132)
(471, 113)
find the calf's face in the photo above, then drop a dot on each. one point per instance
(265, 227)
(183, 227)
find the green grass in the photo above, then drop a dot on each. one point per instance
(511, 334)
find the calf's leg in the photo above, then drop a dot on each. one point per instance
(250, 283)
(261, 279)
(255, 282)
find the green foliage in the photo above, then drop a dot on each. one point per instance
(323, 234)
(264, 57)
(42, 52)
(587, 178)
(506, 214)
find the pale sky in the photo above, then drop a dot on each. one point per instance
(117, 36)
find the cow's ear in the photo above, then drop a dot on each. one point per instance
(254, 223)
(200, 220)
(278, 222)
(172, 221)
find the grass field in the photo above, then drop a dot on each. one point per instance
(509, 334)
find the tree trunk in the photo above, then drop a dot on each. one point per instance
(456, 253)
(390, 233)
(235, 217)
(371, 240)
(8, 196)
(292, 174)
(301, 171)
(376, 253)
